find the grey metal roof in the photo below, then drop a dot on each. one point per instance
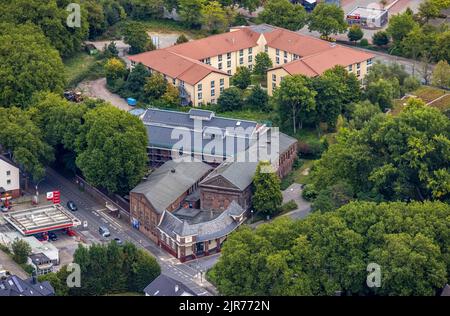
(163, 129)
(164, 186)
(15, 286)
(262, 28)
(218, 227)
(164, 285)
(286, 141)
(240, 174)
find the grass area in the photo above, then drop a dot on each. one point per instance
(299, 176)
(249, 115)
(82, 66)
(428, 94)
(442, 104)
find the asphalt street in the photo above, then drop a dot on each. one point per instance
(95, 215)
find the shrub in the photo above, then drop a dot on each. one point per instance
(309, 192)
(289, 206)
(364, 42)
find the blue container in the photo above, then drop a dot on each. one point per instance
(131, 101)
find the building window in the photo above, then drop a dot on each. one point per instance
(295, 56)
(274, 85)
(358, 73)
(229, 64)
(8, 173)
(213, 84)
(241, 60)
(266, 48)
(278, 60)
(8, 181)
(250, 58)
(278, 52)
(182, 83)
(208, 61)
(199, 87)
(285, 54)
(220, 57)
(250, 67)
(358, 65)
(241, 52)
(350, 68)
(221, 89)
(285, 61)
(222, 82)
(220, 66)
(200, 95)
(228, 55)
(369, 62)
(213, 101)
(213, 92)
(250, 50)
(174, 81)
(274, 77)
(229, 72)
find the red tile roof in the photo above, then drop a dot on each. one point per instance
(174, 65)
(217, 44)
(317, 64)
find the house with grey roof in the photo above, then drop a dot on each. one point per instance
(191, 237)
(165, 189)
(15, 286)
(164, 285)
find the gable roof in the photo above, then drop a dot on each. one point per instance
(175, 65)
(170, 181)
(317, 64)
(240, 174)
(9, 161)
(164, 285)
(15, 286)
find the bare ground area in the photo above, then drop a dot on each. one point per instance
(97, 89)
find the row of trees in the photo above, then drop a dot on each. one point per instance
(330, 252)
(325, 18)
(108, 145)
(107, 269)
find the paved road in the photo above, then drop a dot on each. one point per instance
(95, 214)
(97, 89)
(294, 192)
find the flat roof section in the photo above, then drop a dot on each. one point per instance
(369, 13)
(41, 219)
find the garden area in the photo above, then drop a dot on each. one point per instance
(82, 66)
(432, 96)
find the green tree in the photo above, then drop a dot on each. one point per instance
(262, 64)
(382, 92)
(284, 14)
(230, 99)
(20, 136)
(391, 157)
(20, 78)
(134, 86)
(21, 250)
(96, 18)
(441, 75)
(190, 12)
(355, 33)
(111, 149)
(145, 270)
(58, 283)
(400, 25)
(361, 113)
(172, 96)
(136, 36)
(327, 19)
(258, 99)
(144, 10)
(155, 87)
(430, 9)
(115, 69)
(267, 196)
(295, 100)
(213, 17)
(380, 38)
(242, 78)
(51, 17)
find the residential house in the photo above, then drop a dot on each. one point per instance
(9, 177)
(164, 285)
(15, 286)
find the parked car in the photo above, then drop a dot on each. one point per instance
(70, 232)
(72, 206)
(41, 236)
(103, 231)
(118, 241)
(52, 236)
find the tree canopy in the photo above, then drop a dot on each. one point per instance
(327, 19)
(329, 252)
(267, 196)
(284, 14)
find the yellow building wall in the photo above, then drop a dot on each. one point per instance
(206, 88)
(276, 74)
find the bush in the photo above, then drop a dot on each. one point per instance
(364, 42)
(27, 268)
(311, 149)
(5, 249)
(410, 84)
(309, 192)
(289, 206)
(21, 250)
(380, 38)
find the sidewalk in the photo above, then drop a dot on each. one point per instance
(9, 265)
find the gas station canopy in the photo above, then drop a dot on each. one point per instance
(41, 219)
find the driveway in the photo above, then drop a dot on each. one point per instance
(97, 89)
(294, 192)
(9, 265)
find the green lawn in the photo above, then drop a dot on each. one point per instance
(299, 177)
(81, 66)
(249, 115)
(427, 94)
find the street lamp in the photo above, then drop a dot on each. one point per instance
(37, 192)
